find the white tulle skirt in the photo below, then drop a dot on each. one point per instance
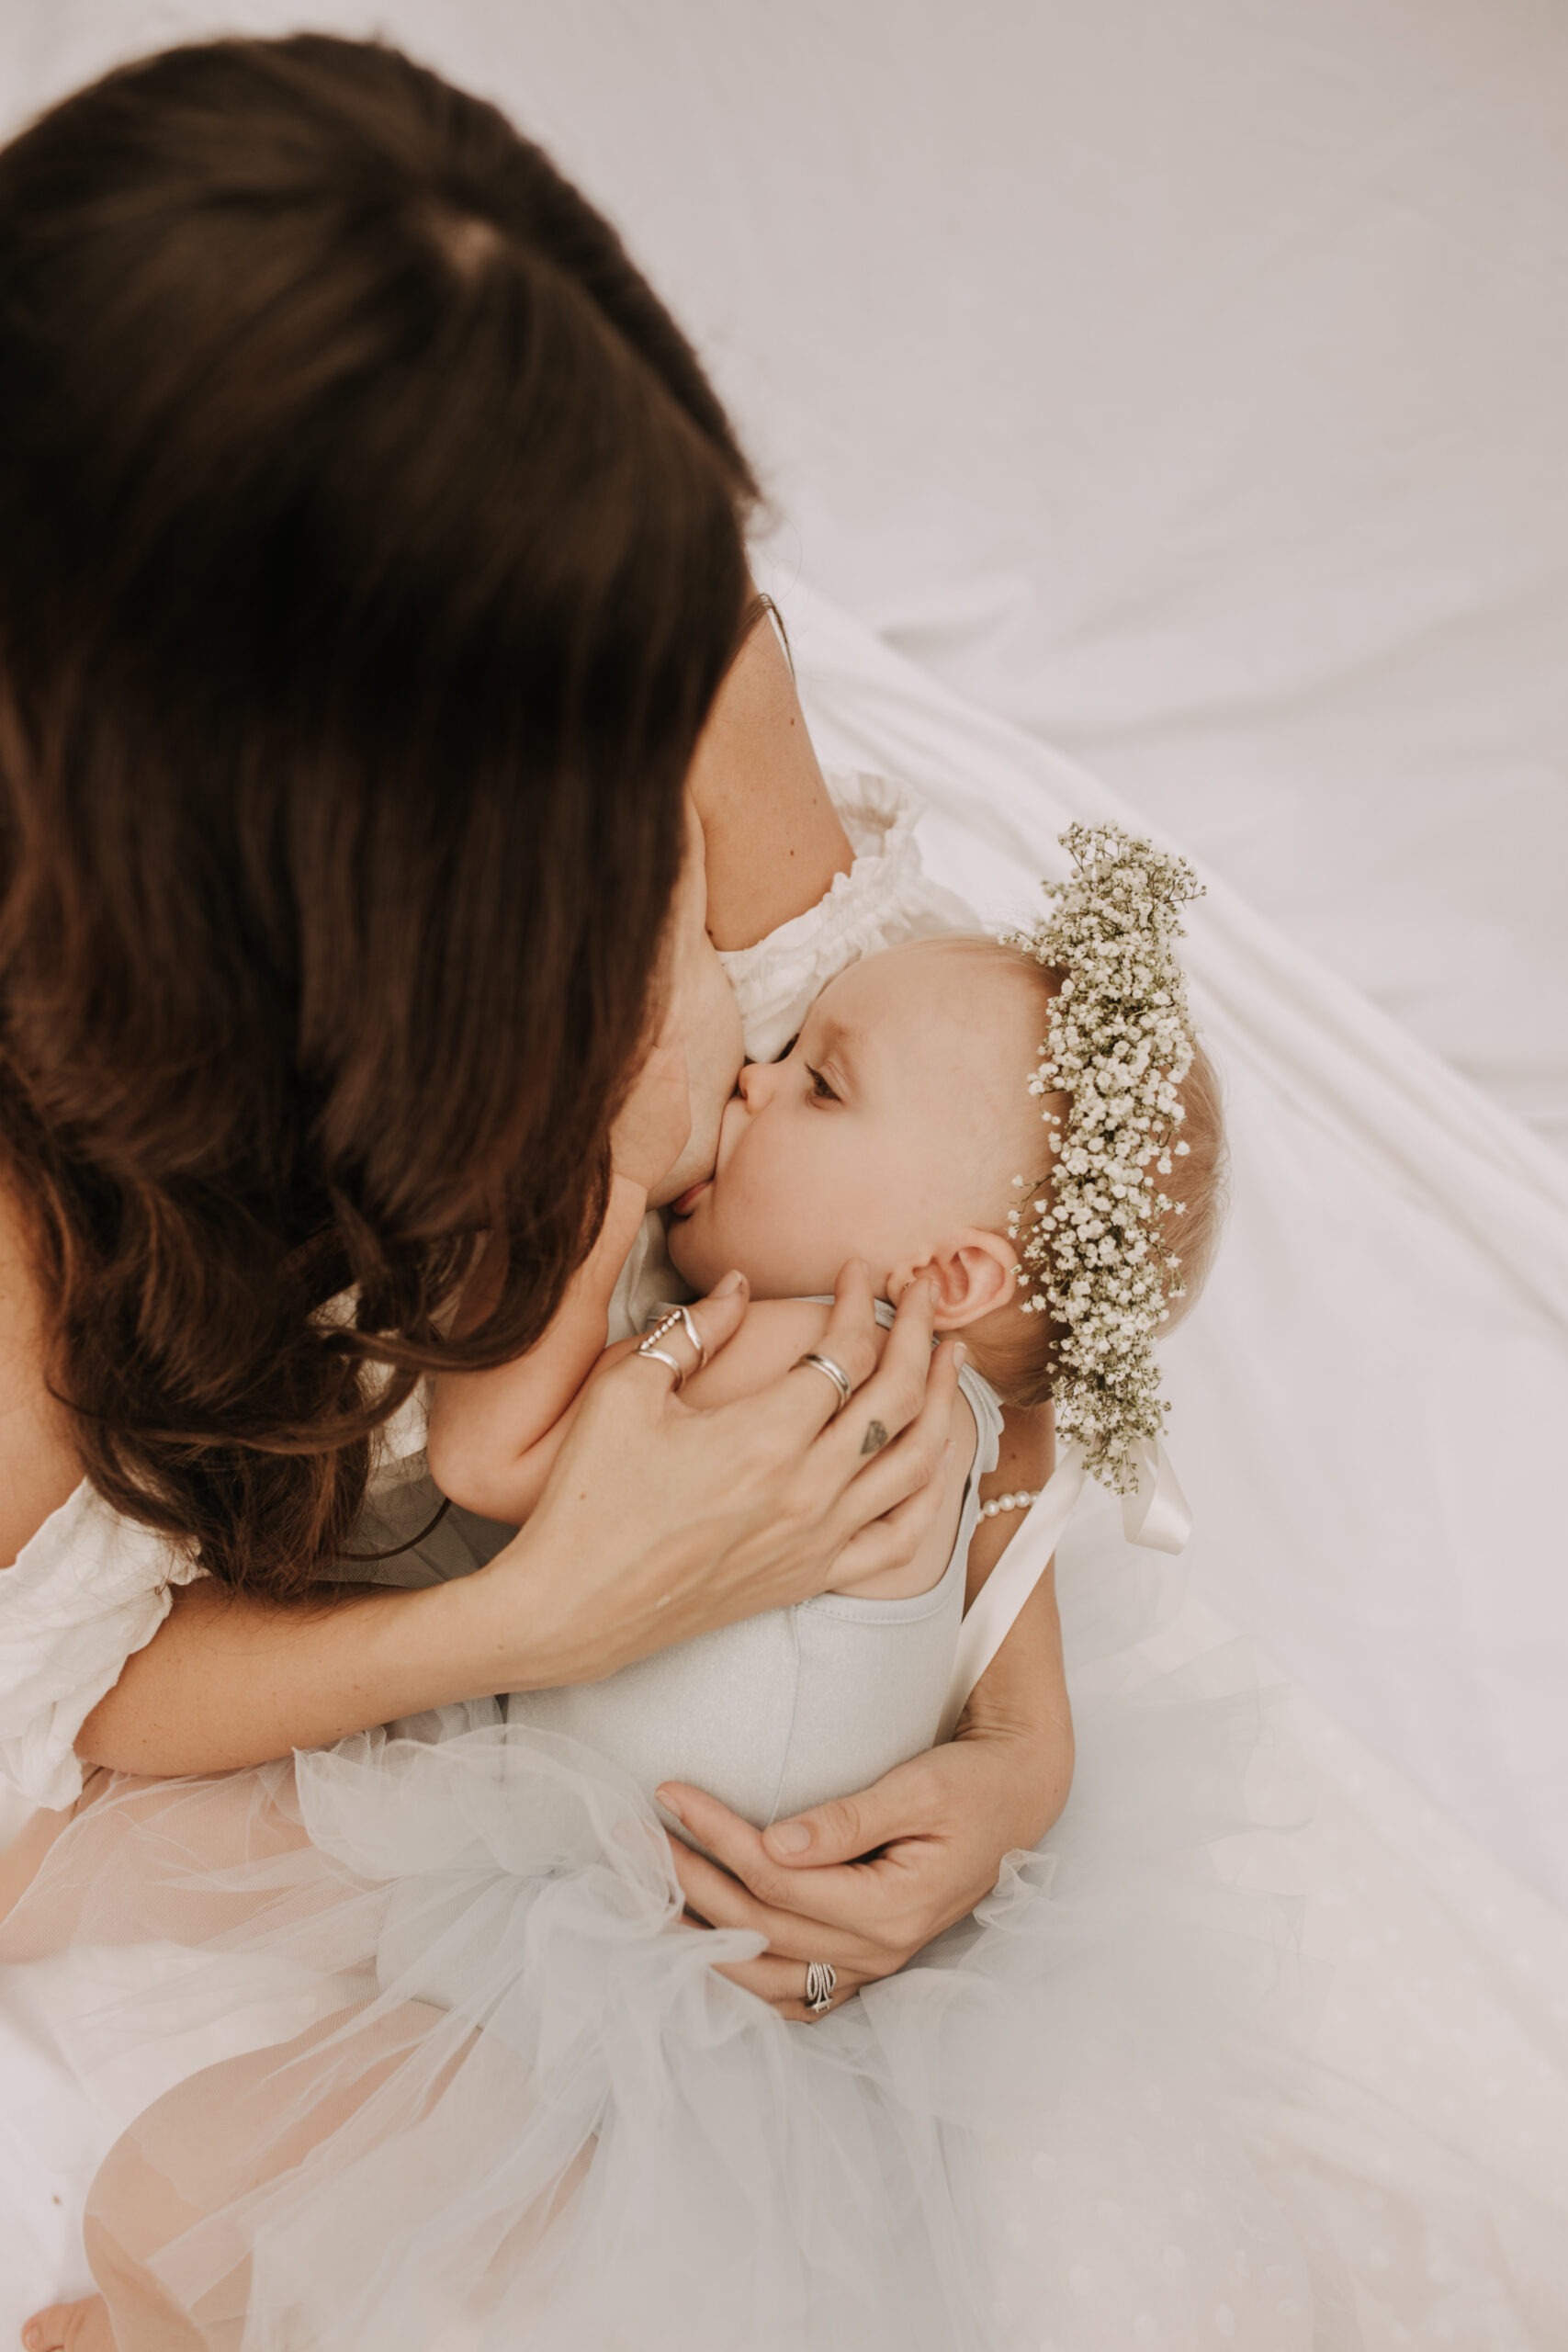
(515, 2106)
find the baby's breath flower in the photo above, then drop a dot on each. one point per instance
(1120, 1044)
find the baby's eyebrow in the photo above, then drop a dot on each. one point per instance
(850, 1050)
(834, 1035)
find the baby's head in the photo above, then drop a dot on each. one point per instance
(894, 1129)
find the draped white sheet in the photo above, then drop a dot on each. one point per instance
(1183, 386)
(1183, 382)
(1366, 1404)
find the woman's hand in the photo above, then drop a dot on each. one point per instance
(874, 1876)
(659, 1522)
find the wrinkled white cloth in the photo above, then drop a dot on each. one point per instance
(88, 1591)
(989, 2151)
(1116, 2109)
(91, 1589)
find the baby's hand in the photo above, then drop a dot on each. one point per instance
(655, 1122)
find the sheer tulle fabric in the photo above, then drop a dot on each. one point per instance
(517, 2107)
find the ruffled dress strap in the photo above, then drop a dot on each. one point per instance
(90, 1590)
(886, 899)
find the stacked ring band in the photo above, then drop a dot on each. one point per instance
(648, 1347)
(821, 1976)
(830, 1371)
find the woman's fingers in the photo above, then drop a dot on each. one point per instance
(886, 1476)
(718, 1318)
(781, 1984)
(807, 1399)
(893, 1396)
(868, 1903)
(892, 1538)
(722, 1901)
(901, 1804)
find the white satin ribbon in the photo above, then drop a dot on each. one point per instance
(1154, 1515)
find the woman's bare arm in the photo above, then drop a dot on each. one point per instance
(774, 842)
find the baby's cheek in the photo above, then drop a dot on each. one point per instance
(692, 1250)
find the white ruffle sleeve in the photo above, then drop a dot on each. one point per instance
(886, 898)
(90, 1590)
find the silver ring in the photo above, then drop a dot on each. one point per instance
(821, 1976)
(834, 1372)
(648, 1347)
(684, 1314)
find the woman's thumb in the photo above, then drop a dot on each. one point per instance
(838, 1831)
(719, 1315)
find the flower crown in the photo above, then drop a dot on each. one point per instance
(1120, 1042)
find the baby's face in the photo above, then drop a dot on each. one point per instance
(894, 1124)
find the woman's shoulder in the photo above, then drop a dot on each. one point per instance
(39, 1468)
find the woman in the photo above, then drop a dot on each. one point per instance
(370, 560)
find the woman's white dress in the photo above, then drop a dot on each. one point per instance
(525, 2112)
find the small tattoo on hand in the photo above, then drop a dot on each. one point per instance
(876, 1439)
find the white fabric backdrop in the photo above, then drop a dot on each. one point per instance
(1181, 387)
(1184, 382)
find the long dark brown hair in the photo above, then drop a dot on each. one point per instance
(370, 552)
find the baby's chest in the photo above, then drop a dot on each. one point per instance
(772, 1714)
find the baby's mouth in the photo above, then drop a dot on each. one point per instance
(687, 1201)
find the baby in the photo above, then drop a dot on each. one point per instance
(908, 1126)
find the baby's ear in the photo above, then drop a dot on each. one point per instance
(974, 1272)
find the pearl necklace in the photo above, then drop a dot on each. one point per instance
(1020, 1501)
